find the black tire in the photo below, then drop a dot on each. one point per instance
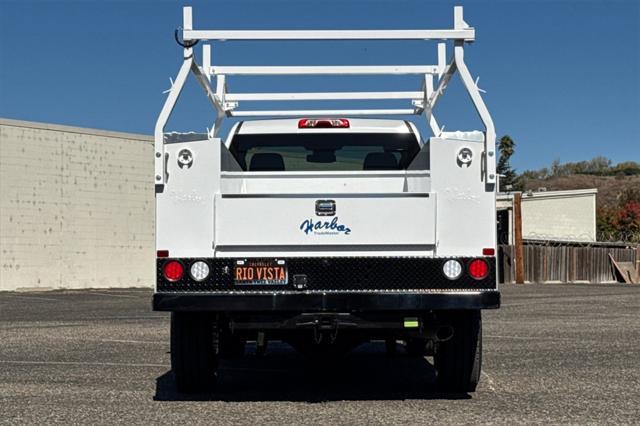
(458, 361)
(194, 358)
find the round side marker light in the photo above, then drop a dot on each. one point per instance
(452, 269)
(199, 270)
(478, 269)
(173, 270)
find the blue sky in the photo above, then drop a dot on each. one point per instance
(562, 78)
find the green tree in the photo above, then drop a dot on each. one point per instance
(509, 181)
(604, 224)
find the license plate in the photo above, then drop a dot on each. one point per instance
(260, 272)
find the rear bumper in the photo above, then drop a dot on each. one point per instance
(394, 274)
(325, 302)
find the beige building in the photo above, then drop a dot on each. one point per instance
(76, 207)
(550, 215)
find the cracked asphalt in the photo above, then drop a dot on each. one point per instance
(553, 353)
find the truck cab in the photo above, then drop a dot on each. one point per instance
(324, 230)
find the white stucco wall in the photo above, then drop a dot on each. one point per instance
(560, 215)
(76, 207)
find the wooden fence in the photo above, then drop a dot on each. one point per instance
(563, 262)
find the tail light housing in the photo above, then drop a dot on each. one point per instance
(478, 269)
(173, 270)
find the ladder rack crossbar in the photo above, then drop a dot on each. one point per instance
(321, 112)
(321, 96)
(325, 70)
(464, 34)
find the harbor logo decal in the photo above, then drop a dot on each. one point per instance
(321, 227)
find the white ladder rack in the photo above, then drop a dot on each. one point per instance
(226, 104)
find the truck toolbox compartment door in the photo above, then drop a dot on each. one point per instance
(295, 219)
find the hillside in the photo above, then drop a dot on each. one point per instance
(609, 187)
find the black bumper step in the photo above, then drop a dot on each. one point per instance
(325, 302)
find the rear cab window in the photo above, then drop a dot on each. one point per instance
(324, 151)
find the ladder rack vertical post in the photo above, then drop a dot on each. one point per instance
(187, 18)
(442, 58)
(483, 112)
(206, 61)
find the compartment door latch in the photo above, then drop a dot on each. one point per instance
(325, 207)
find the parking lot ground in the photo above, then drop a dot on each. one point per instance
(552, 354)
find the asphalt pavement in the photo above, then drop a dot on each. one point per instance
(553, 353)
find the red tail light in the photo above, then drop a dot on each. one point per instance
(488, 252)
(173, 270)
(478, 269)
(323, 123)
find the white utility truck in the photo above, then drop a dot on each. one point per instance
(323, 230)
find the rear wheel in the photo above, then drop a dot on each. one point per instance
(458, 360)
(194, 358)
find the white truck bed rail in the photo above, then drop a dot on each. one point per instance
(423, 100)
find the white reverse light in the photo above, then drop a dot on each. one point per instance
(199, 270)
(452, 269)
